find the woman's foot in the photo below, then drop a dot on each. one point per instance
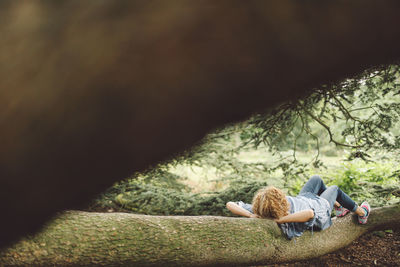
(366, 207)
(341, 211)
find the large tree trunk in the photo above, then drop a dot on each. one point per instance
(112, 239)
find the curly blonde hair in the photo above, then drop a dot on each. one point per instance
(270, 202)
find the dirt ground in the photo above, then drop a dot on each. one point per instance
(380, 248)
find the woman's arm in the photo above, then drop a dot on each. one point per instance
(236, 209)
(300, 216)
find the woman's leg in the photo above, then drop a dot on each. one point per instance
(334, 193)
(314, 185)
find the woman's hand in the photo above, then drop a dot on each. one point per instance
(254, 216)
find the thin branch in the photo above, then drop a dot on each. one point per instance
(310, 133)
(363, 108)
(324, 106)
(343, 108)
(328, 130)
(297, 137)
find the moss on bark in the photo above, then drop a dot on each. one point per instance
(78, 238)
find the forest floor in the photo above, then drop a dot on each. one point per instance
(374, 249)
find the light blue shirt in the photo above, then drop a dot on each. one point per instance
(320, 221)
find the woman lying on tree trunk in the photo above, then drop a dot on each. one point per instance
(311, 209)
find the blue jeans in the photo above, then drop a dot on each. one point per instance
(333, 193)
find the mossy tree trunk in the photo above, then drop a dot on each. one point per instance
(120, 239)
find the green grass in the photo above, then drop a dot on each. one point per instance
(207, 179)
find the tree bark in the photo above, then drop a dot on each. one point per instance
(120, 239)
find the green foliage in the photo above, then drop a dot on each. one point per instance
(215, 204)
(161, 177)
(372, 181)
(156, 191)
(133, 195)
